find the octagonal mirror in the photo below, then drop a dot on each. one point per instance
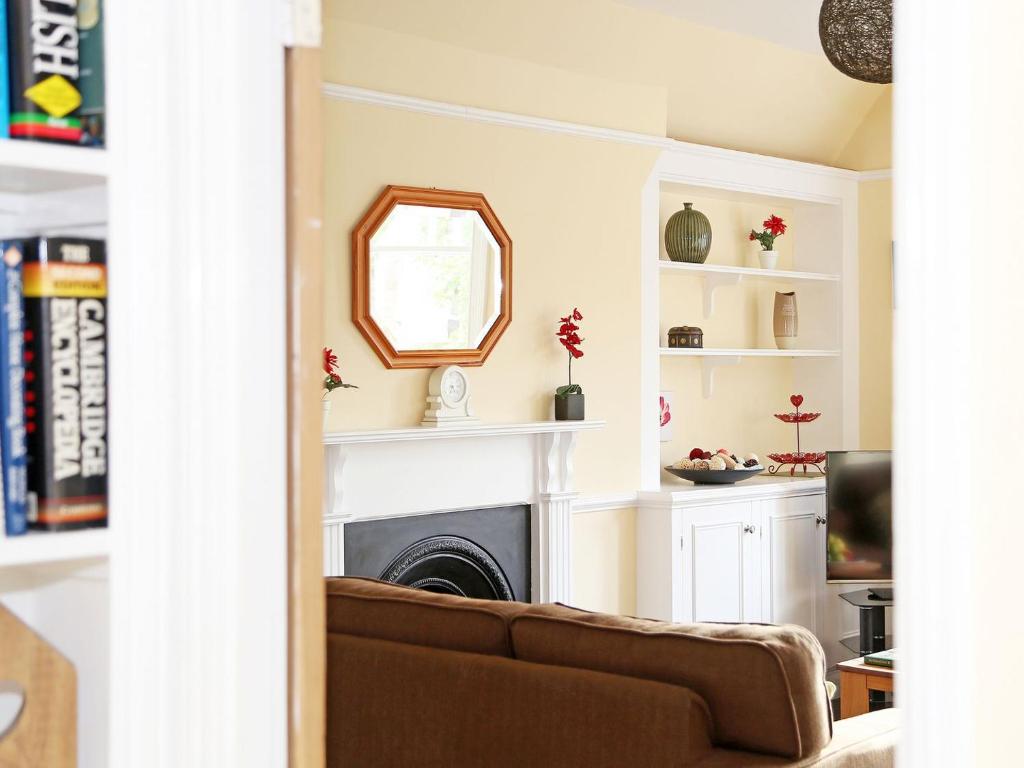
(431, 277)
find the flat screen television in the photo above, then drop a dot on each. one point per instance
(859, 521)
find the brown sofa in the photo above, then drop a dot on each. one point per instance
(416, 678)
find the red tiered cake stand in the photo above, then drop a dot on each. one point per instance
(800, 458)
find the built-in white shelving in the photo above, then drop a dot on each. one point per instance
(58, 582)
(820, 256)
(43, 548)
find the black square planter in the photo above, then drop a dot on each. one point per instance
(569, 407)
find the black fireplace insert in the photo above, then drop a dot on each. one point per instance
(482, 553)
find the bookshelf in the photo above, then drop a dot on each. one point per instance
(59, 583)
(725, 393)
(190, 194)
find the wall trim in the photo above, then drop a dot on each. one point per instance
(604, 502)
(355, 94)
(881, 174)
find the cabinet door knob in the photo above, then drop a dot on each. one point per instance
(749, 528)
(821, 520)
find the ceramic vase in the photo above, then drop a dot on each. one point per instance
(769, 259)
(327, 412)
(785, 320)
(688, 235)
(569, 407)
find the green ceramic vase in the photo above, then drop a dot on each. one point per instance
(688, 235)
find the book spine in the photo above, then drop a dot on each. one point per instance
(65, 289)
(13, 452)
(92, 113)
(43, 60)
(5, 102)
(887, 663)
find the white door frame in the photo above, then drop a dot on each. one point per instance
(197, 385)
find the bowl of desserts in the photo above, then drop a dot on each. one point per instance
(720, 468)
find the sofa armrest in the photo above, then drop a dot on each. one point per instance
(394, 704)
(866, 741)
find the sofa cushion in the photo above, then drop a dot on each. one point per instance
(764, 685)
(377, 609)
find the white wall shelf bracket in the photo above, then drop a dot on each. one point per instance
(715, 280)
(707, 370)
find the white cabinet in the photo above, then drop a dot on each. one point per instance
(721, 563)
(745, 553)
(793, 558)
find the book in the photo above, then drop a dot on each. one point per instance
(42, 37)
(13, 448)
(881, 659)
(92, 113)
(65, 290)
(4, 84)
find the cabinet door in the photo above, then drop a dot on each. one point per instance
(721, 563)
(793, 561)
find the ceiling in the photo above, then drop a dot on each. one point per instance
(790, 23)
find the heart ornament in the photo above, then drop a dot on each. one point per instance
(796, 400)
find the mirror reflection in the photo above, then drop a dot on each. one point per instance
(435, 278)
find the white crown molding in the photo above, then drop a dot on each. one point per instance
(882, 174)
(604, 502)
(358, 95)
(494, 117)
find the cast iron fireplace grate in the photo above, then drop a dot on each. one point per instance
(482, 553)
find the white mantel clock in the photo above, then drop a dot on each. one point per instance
(448, 398)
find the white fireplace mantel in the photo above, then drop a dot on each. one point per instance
(394, 472)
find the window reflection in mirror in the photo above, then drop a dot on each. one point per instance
(435, 278)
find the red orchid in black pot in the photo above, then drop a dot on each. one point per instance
(569, 398)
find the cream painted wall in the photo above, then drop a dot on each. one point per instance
(876, 314)
(720, 88)
(870, 146)
(604, 561)
(572, 209)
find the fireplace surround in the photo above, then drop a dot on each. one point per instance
(393, 474)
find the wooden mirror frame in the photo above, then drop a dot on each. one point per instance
(368, 225)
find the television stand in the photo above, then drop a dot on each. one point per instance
(872, 638)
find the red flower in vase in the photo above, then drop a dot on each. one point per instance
(775, 225)
(330, 361)
(569, 338)
(666, 411)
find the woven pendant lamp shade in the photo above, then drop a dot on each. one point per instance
(857, 38)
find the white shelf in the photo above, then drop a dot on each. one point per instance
(28, 167)
(667, 352)
(714, 277)
(710, 359)
(40, 548)
(765, 274)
